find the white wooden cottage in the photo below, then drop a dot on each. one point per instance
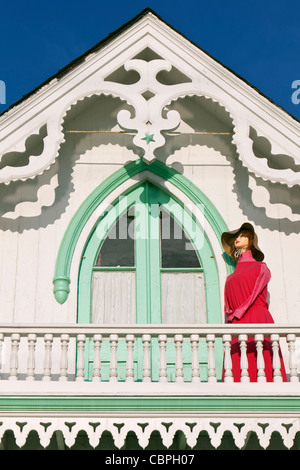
(118, 176)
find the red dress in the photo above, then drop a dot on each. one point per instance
(246, 302)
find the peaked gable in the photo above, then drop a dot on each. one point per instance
(149, 65)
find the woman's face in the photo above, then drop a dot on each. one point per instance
(241, 242)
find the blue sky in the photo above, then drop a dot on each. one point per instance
(259, 40)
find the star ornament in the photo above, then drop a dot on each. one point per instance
(148, 138)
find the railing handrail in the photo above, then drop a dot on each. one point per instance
(140, 329)
(79, 335)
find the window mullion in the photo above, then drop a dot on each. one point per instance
(142, 258)
(154, 254)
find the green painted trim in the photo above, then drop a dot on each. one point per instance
(147, 198)
(148, 404)
(204, 250)
(61, 278)
(91, 250)
(147, 254)
(142, 257)
(154, 253)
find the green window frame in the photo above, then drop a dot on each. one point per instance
(148, 269)
(61, 280)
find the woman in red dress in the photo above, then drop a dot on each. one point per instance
(246, 298)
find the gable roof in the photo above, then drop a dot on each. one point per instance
(247, 105)
(76, 62)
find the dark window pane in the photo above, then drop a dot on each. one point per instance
(118, 247)
(177, 250)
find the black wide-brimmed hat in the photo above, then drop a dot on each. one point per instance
(227, 240)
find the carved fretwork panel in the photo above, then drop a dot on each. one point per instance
(148, 66)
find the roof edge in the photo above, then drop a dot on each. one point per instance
(78, 60)
(75, 62)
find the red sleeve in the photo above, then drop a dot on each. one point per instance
(228, 310)
(261, 282)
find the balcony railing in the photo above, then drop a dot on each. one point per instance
(63, 353)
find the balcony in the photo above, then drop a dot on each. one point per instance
(145, 379)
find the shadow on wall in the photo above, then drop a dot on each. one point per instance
(204, 122)
(24, 204)
(270, 205)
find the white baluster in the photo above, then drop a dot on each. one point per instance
(228, 376)
(260, 362)
(195, 361)
(15, 340)
(146, 362)
(291, 338)
(64, 342)
(80, 357)
(129, 362)
(162, 339)
(97, 338)
(210, 339)
(244, 360)
(1, 345)
(178, 364)
(31, 360)
(276, 359)
(113, 376)
(48, 339)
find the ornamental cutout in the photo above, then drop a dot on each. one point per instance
(148, 121)
(48, 105)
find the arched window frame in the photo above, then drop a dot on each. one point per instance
(188, 223)
(70, 239)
